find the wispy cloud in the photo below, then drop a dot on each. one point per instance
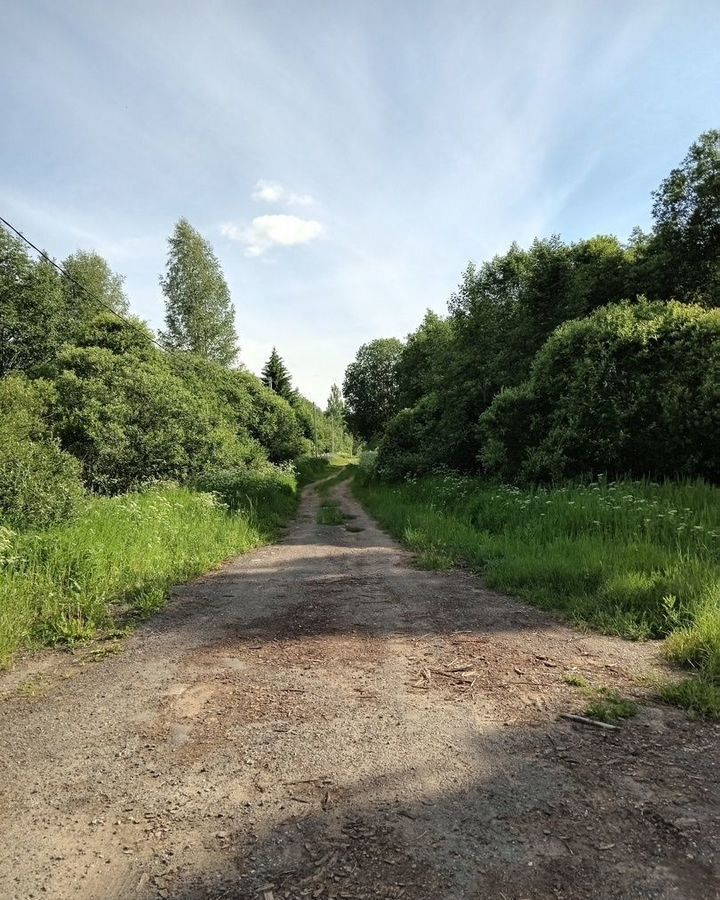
(265, 232)
(274, 192)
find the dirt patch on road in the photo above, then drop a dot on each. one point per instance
(321, 720)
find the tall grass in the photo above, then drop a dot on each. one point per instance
(118, 560)
(312, 468)
(637, 559)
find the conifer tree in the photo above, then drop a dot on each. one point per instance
(276, 376)
(199, 315)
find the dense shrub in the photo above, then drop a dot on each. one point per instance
(39, 483)
(633, 389)
(130, 420)
(134, 414)
(406, 445)
(254, 411)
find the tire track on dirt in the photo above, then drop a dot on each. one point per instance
(319, 719)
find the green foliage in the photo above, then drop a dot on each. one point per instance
(423, 359)
(92, 285)
(504, 311)
(683, 256)
(119, 560)
(34, 320)
(276, 376)
(607, 705)
(371, 388)
(335, 410)
(313, 468)
(134, 414)
(632, 558)
(412, 443)
(633, 389)
(39, 483)
(264, 423)
(698, 695)
(270, 492)
(130, 420)
(199, 316)
(331, 514)
(40, 311)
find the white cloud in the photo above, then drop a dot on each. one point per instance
(274, 192)
(269, 231)
(269, 191)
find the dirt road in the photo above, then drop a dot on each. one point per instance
(319, 719)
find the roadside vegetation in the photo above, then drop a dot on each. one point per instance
(130, 462)
(555, 364)
(632, 558)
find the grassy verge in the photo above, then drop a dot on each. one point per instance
(313, 468)
(636, 559)
(116, 562)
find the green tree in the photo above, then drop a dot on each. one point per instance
(98, 285)
(39, 483)
(423, 361)
(371, 388)
(199, 315)
(33, 317)
(633, 389)
(684, 257)
(335, 410)
(276, 376)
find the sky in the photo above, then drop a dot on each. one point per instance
(345, 158)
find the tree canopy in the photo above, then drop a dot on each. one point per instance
(199, 315)
(371, 388)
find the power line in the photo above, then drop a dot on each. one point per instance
(81, 287)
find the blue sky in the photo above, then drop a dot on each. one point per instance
(345, 159)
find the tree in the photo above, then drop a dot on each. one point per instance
(335, 415)
(40, 310)
(423, 361)
(685, 252)
(199, 315)
(276, 376)
(633, 389)
(335, 410)
(371, 388)
(98, 285)
(34, 321)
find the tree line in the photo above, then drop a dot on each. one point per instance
(91, 399)
(565, 359)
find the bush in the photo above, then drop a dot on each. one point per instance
(254, 411)
(632, 389)
(39, 483)
(413, 442)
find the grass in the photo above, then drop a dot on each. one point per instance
(330, 515)
(311, 468)
(116, 563)
(330, 512)
(604, 704)
(636, 559)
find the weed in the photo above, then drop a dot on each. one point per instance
(699, 696)
(117, 563)
(632, 558)
(330, 515)
(576, 681)
(607, 705)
